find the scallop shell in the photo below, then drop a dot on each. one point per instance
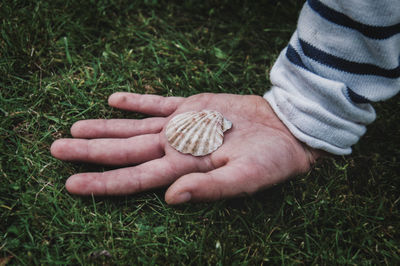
(197, 133)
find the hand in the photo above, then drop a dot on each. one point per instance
(258, 151)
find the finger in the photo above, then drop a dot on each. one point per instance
(116, 128)
(153, 174)
(109, 151)
(227, 181)
(145, 103)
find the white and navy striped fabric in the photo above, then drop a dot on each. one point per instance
(344, 55)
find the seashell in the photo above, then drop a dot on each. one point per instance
(197, 133)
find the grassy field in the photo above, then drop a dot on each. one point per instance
(59, 61)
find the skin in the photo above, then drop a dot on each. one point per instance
(258, 151)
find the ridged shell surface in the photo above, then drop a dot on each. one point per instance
(197, 133)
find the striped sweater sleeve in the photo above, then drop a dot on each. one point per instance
(344, 55)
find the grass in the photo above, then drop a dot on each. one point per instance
(59, 61)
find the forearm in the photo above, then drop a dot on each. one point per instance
(343, 56)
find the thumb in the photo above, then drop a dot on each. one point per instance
(227, 181)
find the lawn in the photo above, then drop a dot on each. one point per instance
(59, 61)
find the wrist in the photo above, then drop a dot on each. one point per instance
(312, 154)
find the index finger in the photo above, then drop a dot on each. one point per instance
(145, 103)
(152, 174)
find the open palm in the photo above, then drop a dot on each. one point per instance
(257, 152)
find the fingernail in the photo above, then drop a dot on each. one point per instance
(182, 198)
